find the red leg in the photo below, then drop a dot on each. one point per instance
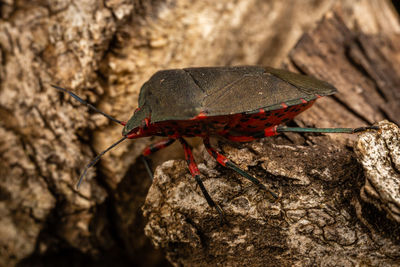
(224, 161)
(271, 131)
(196, 174)
(157, 146)
(152, 149)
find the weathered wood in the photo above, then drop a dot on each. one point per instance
(379, 153)
(104, 51)
(320, 218)
(364, 70)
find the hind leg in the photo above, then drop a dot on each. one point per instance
(271, 131)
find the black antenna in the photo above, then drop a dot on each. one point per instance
(87, 104)
(97, 159)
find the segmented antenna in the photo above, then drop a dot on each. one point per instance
(87, 104)
(97, 159)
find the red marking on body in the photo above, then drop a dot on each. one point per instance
(131, 136)
(241, 138)
(222, 159)
(303, 100)
(204, 125)
(146, 151)
(190, 160)
(193, 169)
(123, 123)
(156, 147)
(318, 96)
(271, 131)
(201, 115)
(147, 121)
(175, 135)
(283, 105)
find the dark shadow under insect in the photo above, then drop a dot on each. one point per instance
(238, 103)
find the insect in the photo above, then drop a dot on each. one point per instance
(241, 104)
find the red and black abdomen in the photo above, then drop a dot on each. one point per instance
(242, 123)
(259, 120)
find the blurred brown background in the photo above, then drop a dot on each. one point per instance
(104, 51)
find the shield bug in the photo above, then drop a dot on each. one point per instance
(238, 103)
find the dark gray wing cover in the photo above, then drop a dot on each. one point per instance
(171, 95)
(181, 94)
(231, 90)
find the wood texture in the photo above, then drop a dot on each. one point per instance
(320, 218)
(104, 51)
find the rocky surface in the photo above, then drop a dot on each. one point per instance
(379, 154)
(319, 217)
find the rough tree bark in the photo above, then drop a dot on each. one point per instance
(329, 212)
(104, 51)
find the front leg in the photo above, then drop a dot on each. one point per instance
(157, 146)
(152, 149)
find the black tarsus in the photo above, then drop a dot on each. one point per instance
(210, 201)
(148, 169)
(249, 177)
(361, 129)
(281, 129)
